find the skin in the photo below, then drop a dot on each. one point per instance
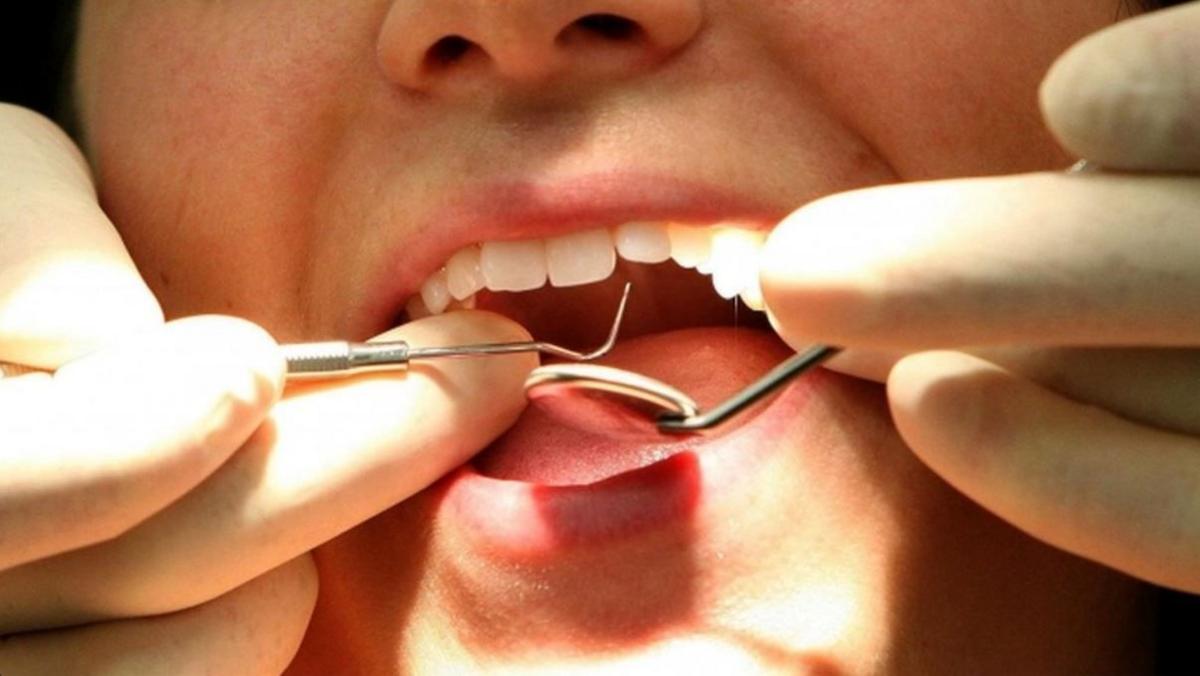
(220, 131)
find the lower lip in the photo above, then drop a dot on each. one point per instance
(525, 521)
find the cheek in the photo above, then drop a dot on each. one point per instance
(209, 159)
(939, 87)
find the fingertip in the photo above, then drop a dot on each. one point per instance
(1121, 97)
(469, 327)
(939, 403)
(812, 273)
(1075, 95)
(805, 247)
(485, 394)
(415, 424)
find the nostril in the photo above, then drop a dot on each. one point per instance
(607, 26)
(448, 51)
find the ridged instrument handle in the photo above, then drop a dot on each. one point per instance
(312, 360)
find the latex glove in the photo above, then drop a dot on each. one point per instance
(158, 497)
(1069, 400)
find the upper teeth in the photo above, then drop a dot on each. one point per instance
(729, 254)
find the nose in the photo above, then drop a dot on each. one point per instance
(432, 45)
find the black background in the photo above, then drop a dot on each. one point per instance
(34, 39)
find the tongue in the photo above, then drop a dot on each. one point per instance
(709, 364)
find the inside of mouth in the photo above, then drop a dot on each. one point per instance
(677, 329)
(663, 298)
(709, 364)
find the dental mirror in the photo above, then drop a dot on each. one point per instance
(607, 400)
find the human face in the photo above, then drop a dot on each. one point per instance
(308, 164)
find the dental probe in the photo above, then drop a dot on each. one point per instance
(310, 361)
(755, 391)
(608, 400)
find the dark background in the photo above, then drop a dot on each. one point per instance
(34, 39)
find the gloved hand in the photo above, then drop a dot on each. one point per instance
(157, 495)
(1038, 333)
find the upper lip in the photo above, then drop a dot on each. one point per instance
(522, 209)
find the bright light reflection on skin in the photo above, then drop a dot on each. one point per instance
(725, 651)
(828, 617)
(57, 308)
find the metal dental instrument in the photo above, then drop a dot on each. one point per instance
(749, 395)
(605, 399)
(335, 358)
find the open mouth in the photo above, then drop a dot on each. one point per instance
(554, 255)
(694, 321)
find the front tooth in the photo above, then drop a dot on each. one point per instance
(643, 242)
(580, 257)
(513, 266)
(734, 260)
(689, 246)
(464, 274)
(435, 293)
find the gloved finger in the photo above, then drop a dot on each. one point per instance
(1153, 386)
(1042, 259)
(254, 629)
(330, 456)
(1156, 387)
(1072, 475)
(864, 363)
(67, 284)
(115, 437)
(1128, 96)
